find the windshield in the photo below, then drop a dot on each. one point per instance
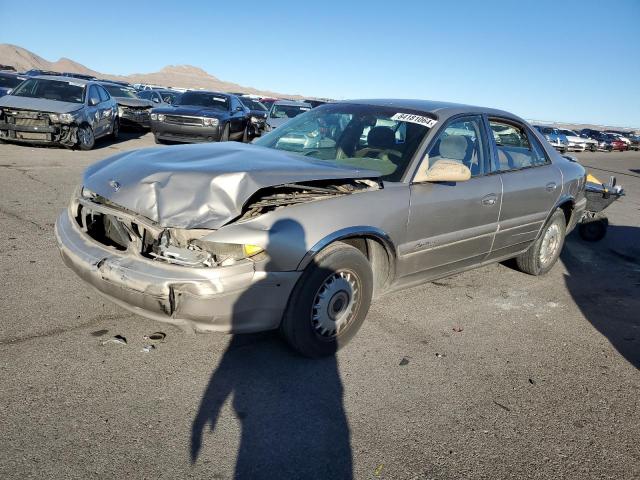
(253, 104)
(51, 90)
(287, 111)
(369, 137)
(207, 100)
(9, 81)
(118, 91)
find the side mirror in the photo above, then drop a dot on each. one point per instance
(442, 171)
(238, 108)
(93, 101)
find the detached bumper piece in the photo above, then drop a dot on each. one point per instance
(594, 224)
(235, 299)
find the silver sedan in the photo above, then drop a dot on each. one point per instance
(301, 230)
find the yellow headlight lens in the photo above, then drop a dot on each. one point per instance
(251, 250)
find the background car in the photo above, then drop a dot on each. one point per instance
(9, 81)
(132, 111)
(268, 101)
(258, 114)
(576, 142)
(283, 110)
(58, 110)
(201, 116)
(161, 97)
(554, 137)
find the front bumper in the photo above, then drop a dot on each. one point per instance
(185, 133)
(39, 135)
(235, 299)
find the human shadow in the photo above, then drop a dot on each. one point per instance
(604, 281)
(290, 408)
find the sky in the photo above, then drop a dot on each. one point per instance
(571, 61)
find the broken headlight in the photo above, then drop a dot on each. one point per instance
(175, 246)
(62, 117)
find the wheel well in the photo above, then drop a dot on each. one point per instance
(567, 208)
(379, 257)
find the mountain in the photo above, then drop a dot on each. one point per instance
(184, 76)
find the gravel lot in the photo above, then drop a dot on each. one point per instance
(543, 381)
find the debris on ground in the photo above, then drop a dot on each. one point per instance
(148, 348)
(119, 339)
(531, 381)
(378, 471)
(155, 336)
(441, 355)
(502, 406)
(404, 361)
(99, 333)
(457, 329)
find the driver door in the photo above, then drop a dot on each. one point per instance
(452, 224)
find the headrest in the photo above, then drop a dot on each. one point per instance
(454, 147)
(381, 137)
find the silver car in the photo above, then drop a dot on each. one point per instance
(58, 110)
(281, 111)
(300, 230)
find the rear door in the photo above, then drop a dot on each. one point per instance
(452, 225)
(94, 111)
(531, 185)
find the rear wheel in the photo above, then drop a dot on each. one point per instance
(115, 129)
(543, 254)
(86, 139)
(245, 134)
(330, 301)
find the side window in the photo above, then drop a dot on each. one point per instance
(104, 95)
(540, 157)
(156, 98)
(462, 140)
(145, 94)
(94, 96)
(513, 146)
(234, 104)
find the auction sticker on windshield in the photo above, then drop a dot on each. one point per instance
(411, 118)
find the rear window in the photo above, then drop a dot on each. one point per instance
(59, 90)
(9, 81)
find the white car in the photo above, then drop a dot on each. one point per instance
(576, 142)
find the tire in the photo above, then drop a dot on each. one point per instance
(329, 303)
(86, 139)
(115, 130)
(158, 140)
(245, 135)
(594, 231)
(225, 133)
(543, 254)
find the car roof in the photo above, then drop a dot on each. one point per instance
(62, 78)
(439, 109)
(211, 92)
(292, 103)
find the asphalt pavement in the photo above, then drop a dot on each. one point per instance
(487, 374)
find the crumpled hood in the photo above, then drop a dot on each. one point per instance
(39, 104)
(134, 102)
(201, 185)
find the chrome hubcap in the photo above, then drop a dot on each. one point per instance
(550, 244)
(334, 303)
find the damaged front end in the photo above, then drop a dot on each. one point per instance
(38, 127)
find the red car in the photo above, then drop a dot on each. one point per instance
(617, 144)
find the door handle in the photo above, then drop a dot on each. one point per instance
(489, 199)
(551, 186)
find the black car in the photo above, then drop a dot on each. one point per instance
(315, 103)
(9, 81)
(258, 115)
(162, 97)
(132, 111)
(201, 116)
(34, 72)
(79, 75)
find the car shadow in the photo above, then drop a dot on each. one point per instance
(604, 281)
(290, 409)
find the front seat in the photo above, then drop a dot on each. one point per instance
(460, 149)
(381, 141)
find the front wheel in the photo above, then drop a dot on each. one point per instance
(543, 254)
(225, 134)
(330, 301)
(86, 139)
